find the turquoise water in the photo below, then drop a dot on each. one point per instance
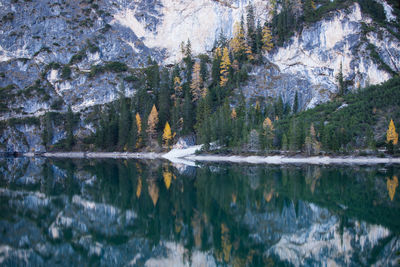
(151, 213)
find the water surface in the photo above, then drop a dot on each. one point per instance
(151, 213)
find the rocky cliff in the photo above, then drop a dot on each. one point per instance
(80, 53)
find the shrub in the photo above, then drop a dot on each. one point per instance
(66, 73)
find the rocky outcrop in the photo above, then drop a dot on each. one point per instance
(310, 61)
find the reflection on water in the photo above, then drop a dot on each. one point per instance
(119, 212)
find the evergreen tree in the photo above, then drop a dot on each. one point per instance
(279, 108)
(123, 121)
(340, 80)
(112, 128)
(152, 73)
(216, 67)
(284, 142)
(188, 62)
(309, 7)
(371, 144)
(296, 103)
(187, 115)
(203, 68)
(259, 37)
(251, 29)
(164, 103)
(47, 130)
(293, 135)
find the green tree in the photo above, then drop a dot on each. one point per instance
(47, 130)
(164, 98)
(123, 120)
(296, 103)
(187, 114)
(339, 78)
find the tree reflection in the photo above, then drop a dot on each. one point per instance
(392, 184)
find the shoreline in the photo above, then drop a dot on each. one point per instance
(187, 156)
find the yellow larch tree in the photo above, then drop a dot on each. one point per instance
(238, 41)
(233, 113)
(167, 178)
(196, 85)
(167, 134)
(153, 191)
(268, 124)
(225, 65)
(391, 135)
(268, 132)
(139, 187)
(177, 90)
(152, 122)
(267, 39)
(248, 52)
(139, 130)
(391, 185)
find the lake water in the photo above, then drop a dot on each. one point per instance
(151, 213)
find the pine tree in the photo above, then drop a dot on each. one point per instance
(47, 130)
(391, 135)
(167, 134)
(251, 28)
(216, 67)
(259, 36)
(123, 121)
(371, 144)
(279, 108)
(152, 123)
(293, 135)
(188, 61)
(284, 142)
(187, 114)
(225, 65)
(340, 80)
(296, 103)
(309, 7)
(164, 104)
(197, 84)
(203, 68)
(267, 39)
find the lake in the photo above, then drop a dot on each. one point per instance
(151, 213)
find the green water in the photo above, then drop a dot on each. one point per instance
(151, 213)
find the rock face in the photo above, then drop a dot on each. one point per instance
(59, 53)
(310, 61)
